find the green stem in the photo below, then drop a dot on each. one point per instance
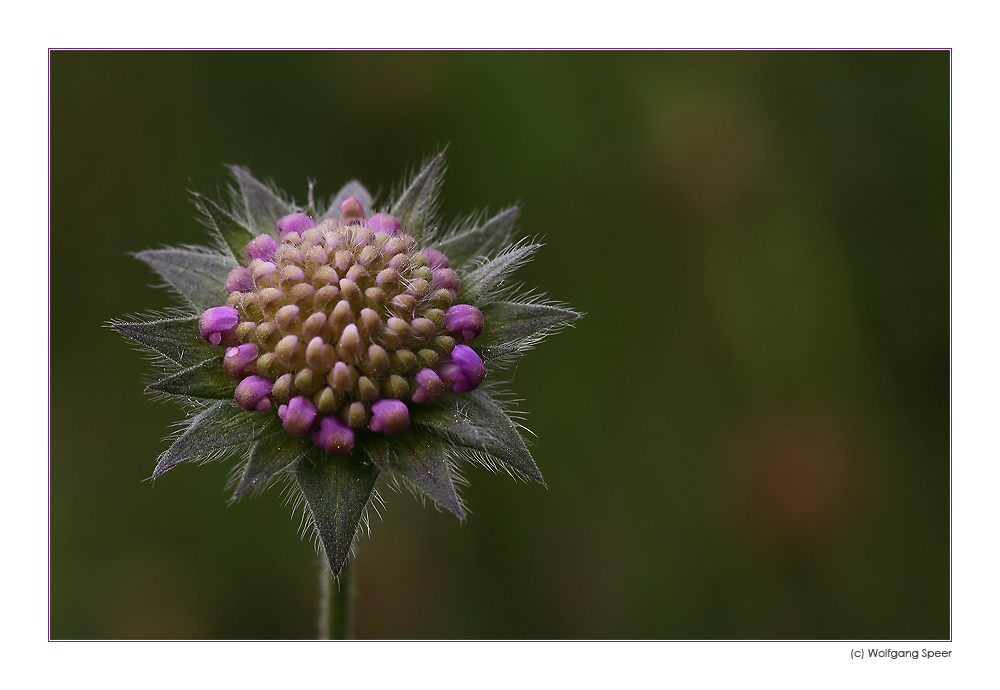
(336, 599)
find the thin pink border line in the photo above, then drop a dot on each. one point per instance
(951, 356)
(511, 50)
(48, 344)
(951, 497)
(527, 641)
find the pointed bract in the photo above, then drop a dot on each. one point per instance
(504, 440)
(336, 491)
(480, 284)
(219, 427)
(206, 380)
(275, 451)
(262, 204)
(448, 420)
(233, 233)
(417, 201)
(199, 277)
(420, 459)
(492, 432)
(511, 326)
(484, 240)
(176, 339)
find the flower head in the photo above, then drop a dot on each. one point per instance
(334, 344)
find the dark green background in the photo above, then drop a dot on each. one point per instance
(747, 436)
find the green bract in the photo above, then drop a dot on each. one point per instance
(331, 344)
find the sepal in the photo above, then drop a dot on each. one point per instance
(416, 203)
(479, 241)
(206, 379)
(199, 277)
(233, 233)
(264, 206)
(421, 460)
(336, 491)
(176, 339)
(221, 426)
(275, 451)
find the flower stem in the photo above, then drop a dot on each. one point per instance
(336, 599)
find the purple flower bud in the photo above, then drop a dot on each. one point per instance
(333, 436)
(431, 386)
(387, 276)
(340, 377)
(216, 320)
(389, 416)
(292, 273)
(383, 222)
(445, 278)
(351, 211)
(260, 268)
(238, 357)
(297, 222)
(239, 280)
(453, 378)
(435, 259)
(471, 365)
(263, 247)
(252, 393)
(297, 416)
(465, 318)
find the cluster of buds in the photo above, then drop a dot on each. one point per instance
(332, 344)
(341, 325)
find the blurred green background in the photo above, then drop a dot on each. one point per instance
(746, 437)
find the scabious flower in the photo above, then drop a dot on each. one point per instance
(331, 344)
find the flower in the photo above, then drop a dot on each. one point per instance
(330, 344)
